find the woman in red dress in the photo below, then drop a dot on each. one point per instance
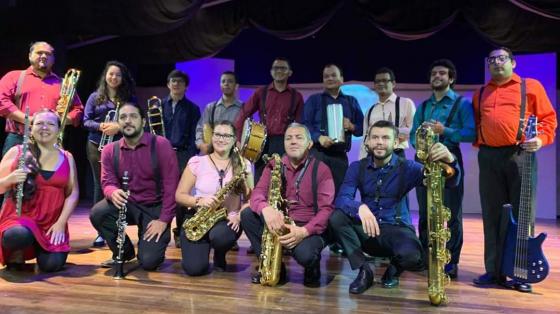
(50, 195)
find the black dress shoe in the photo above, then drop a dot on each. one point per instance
(390, 278)
(516, 285)
(220, 265)
(256, 278)
(336, 249)
(452, 270)
(363, 281)
(312, 276)
(486, 279)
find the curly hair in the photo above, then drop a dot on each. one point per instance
(125, 91)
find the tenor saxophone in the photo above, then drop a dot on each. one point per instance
(21, 162)
(207, 216)
(270, 261)
(437, 215)
(67, 92)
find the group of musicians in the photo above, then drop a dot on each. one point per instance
(177, 174)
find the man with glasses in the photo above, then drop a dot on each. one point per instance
(153, 175)
(309, 191)
(37, 87)
(180, 116)
(498, 107)
(390, 107)
(451, 116)
(278, 105)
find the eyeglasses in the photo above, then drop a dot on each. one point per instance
(280, 68)
(382, 81)
(498, 59)
(177, 80)
(221, 136)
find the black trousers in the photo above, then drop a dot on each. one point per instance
(93, 156)
(307, 253)
(499, 184)
(20, 238)
(395, 241)
(151, 254)
(337, 161)
(452, 199)
(274, 145)
(195, 253)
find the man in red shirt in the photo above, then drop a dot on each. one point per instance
(309, 191)
(37, 87)
(498, 107)
(278, 105)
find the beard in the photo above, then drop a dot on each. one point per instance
(442, 86)
(388, 152)
(133, 134)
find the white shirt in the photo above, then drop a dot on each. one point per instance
(386, 111)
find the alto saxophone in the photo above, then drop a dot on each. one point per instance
(21, 162)
(270, 260)
(437, 215)
(121, 233)
(207, 216)
(67, 92)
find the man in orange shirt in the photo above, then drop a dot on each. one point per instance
(498, 107)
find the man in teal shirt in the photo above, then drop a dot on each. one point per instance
(451, 116)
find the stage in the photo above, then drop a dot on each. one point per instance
(84, 287)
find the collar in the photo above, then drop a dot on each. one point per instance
(236, 102)
(450, 94)
(391, 99)
(170, 100)
(271, 87)
(392, 162)
(340, 94)
(515, 78)
(29, 71)
(288, 165)
(144, 141)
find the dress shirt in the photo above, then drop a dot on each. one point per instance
(138, 162)
(221, 113)
(498, 122)
(36, 92)
(315, 112)
(385, 210)
(278, 107)
(300, 210)
(461, 128)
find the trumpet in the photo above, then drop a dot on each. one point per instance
(110, 117)
(155, 116)
(67, 92)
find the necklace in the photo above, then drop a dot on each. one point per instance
(221, 172)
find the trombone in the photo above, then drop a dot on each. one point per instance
(155, 116)
(67, 92)
(110, 117)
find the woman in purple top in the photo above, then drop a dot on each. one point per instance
(203, 177)
(115, 86)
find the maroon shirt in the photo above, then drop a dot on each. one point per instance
(36, 92)
(300, 211)
(278, 107)
(138, 162)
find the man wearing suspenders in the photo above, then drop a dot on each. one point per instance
(451, 116)
(399, 110)
(278, 105)
(501, 108)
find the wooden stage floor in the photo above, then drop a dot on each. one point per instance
(84, 287)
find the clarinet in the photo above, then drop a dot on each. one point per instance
(21, 162)
(121, 235)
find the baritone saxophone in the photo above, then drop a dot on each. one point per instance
(437, 215)
(270, 261)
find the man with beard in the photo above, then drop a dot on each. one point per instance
(37, 87)
(309, 191)
(278, 105)
(332, 153)
(226, 108)
(380, 223)
(499, 105)
(451, 116)
(152, 168)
